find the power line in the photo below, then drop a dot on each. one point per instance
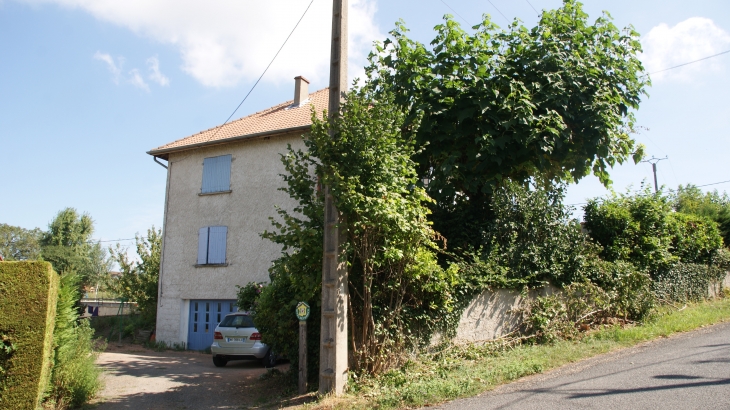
(455, 12)
(495, 7)
(638, 190)
(533, 7)
(112, 240)
(259, 79)
(691, 62)
(265, 70)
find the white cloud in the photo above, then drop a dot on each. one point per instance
(225, 42)
(689, 40)
(114, 67)
(155, 75)
(136, 80)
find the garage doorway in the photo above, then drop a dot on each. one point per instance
(204, 317)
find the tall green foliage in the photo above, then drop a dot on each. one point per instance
(553, 103)
(139, 280)
(712, 205)
(75, 377)
(398, 293)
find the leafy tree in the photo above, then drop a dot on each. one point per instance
(398, 293)
(553, 103)
(139, 280)
(17, 244)
(66, 244)
(691, 200)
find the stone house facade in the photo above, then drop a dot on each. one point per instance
(222, 187)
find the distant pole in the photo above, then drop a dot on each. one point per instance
(653, 161)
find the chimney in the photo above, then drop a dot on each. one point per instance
(301, 90)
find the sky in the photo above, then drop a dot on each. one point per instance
(87, 87)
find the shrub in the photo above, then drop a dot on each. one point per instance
(248, 296)
(629, 289)
(633, 228)
(28, 292)
(75, 377)
(694, 238)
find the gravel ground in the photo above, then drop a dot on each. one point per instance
(136, 378)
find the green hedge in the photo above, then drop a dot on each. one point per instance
(28, 293)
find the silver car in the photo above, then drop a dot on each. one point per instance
(236, 338)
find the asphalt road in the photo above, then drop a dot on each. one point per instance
(689, 371)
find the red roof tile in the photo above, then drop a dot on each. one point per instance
(279, 118)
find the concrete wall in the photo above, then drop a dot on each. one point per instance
(493, 314)
(255, 170)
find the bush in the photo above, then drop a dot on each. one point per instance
(75, 377)
(629, 289)
(633, 228)
(695, 239)
(28, 292)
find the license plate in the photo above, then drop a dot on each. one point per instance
(236, 339)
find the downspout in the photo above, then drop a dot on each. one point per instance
(161, 164)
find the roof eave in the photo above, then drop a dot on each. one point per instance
(164, 153)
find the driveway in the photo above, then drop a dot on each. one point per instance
(689, 371)
(139, 379)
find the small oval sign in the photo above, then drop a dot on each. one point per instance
(302, 311)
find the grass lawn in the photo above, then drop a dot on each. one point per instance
(465, 372)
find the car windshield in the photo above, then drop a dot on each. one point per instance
(237, 321)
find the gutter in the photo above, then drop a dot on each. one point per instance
(162, 153)
(161, 164)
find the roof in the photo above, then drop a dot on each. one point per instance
(275, 120)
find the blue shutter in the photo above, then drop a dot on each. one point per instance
(217, 244)
(216, 174)
(203, 246)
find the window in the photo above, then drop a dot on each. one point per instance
(216, 175)
(212, 246)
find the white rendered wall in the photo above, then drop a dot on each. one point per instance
(255, 179)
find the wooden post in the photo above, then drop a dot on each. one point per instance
(302, 311)
(302, 356)
(333, 336)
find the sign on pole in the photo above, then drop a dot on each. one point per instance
(302, 311)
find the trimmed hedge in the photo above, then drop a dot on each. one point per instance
(28, 294)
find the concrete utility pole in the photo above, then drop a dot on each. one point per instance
(653, 161)
(333, 342)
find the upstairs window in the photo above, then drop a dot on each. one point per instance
(212, 245)
(216, 174)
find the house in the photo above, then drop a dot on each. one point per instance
(222, 187)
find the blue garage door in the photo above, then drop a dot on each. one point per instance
(204, 317)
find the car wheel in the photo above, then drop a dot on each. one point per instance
(219, 361)
(270, 359)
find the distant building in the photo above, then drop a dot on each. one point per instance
(222, 186)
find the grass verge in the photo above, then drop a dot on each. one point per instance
(467, 371)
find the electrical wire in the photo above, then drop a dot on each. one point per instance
(262, 74)
(218, 128)
(455, 12)
(533, 7)
(495, 7)
(688, 63)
